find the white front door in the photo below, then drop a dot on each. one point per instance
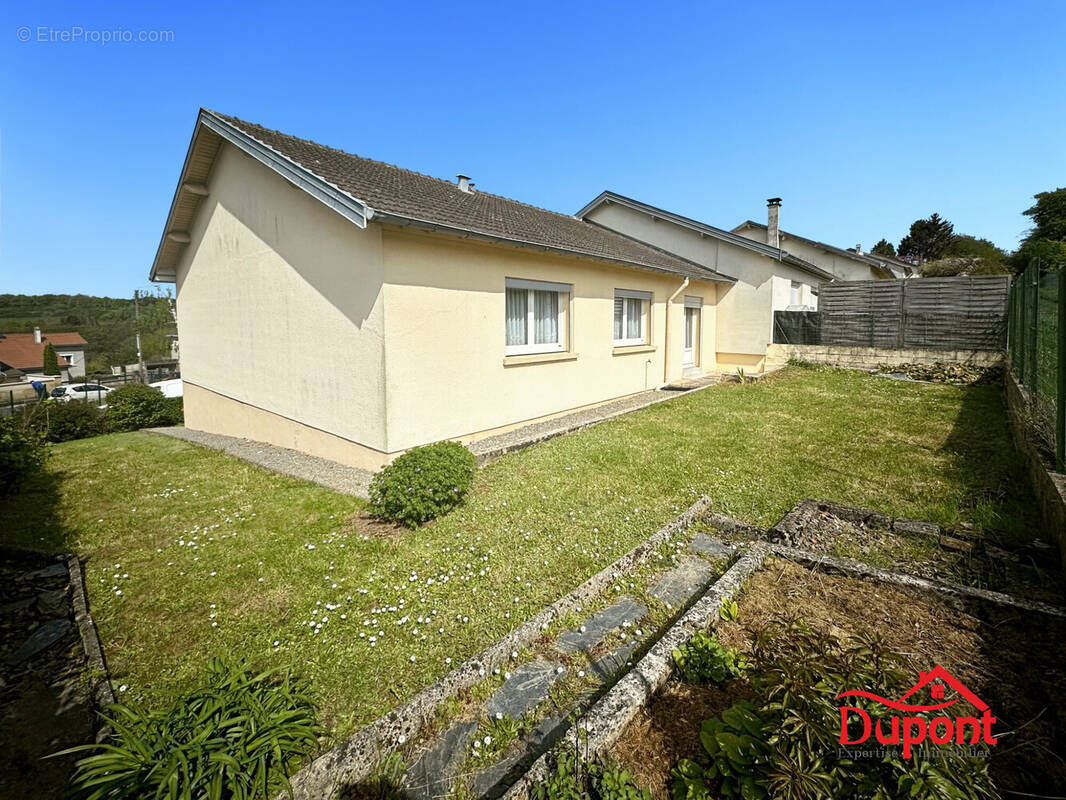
(692, 325)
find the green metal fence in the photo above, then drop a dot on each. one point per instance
(1037, 350)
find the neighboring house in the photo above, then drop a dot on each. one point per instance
(25, 352)
(848, 265)
(769, 279)
(352, 309)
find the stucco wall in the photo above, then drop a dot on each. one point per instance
(77, 360)
(444, 337)
(844, 268)
(280, 307)
(745, 309)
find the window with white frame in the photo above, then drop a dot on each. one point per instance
(536, 317)
(631, 317)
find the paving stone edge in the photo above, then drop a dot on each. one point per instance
(604, 722)
(355, 758)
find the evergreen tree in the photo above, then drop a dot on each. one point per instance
(51, 361)
(884, 248)
(928, 239)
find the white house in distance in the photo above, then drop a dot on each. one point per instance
(769, 278)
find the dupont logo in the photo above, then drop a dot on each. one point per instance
(914, 724)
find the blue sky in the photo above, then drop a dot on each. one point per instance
(862, 116)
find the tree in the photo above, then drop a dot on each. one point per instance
(1046, 240)
(884, 248)
(1049, 216)
(928, 239)
(965, 246)
(51, 362)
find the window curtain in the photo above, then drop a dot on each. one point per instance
(618, 301)
(633, 314)
(545, 317)
(517, 300)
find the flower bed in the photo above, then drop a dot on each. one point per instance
(1011, 660)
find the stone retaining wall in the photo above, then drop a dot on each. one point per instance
(1048, 485)
(871, 357)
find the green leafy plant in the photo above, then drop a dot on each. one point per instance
(576, 778)
(703, 659)
(567, 780)
(613, 783)
(23, 451)
(235, 738)
(136, 406)
(729, 610)
(785, 744)
(63, 422)
(423, 484)
(735, 743)
(740, 375)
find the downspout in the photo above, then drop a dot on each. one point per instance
(666, 344)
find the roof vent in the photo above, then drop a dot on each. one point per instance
(464, 183)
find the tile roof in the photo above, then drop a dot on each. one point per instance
(406, 196)
(20, 351)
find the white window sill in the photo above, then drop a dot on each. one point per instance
(537, 358)
(623, 349)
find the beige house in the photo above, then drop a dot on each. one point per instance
(847, 265)
(768, 278)
(352, 309)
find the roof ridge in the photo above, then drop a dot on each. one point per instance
(390, 165)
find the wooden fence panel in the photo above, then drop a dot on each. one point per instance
(956, 313)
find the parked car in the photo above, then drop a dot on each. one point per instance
(90, 392)
(169, 388)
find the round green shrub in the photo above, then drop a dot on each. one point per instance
(136, 406)
(175, 411)
(64, 422)
(23, 450)
(423, 483)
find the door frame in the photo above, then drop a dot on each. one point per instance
(690, 356)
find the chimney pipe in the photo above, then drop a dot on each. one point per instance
(464, 183)
(36, 335)
(858, 249)
(773, 222)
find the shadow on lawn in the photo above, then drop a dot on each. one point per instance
(985, 461)
(30, 518)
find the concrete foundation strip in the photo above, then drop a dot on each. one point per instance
(355, 758)
(927, 586)
(488, 456)
(99, 681)
(604, 722)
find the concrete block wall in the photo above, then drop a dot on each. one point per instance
(871, 357)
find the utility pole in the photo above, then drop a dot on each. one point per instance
(137, 322)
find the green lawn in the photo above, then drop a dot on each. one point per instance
(212, 555)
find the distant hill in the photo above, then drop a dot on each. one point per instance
(108, 324)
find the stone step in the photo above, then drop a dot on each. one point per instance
(600, 624)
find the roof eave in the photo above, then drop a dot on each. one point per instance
(699, 271)
(729, 237)
(351, 208)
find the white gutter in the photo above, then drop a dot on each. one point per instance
(666, 344)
